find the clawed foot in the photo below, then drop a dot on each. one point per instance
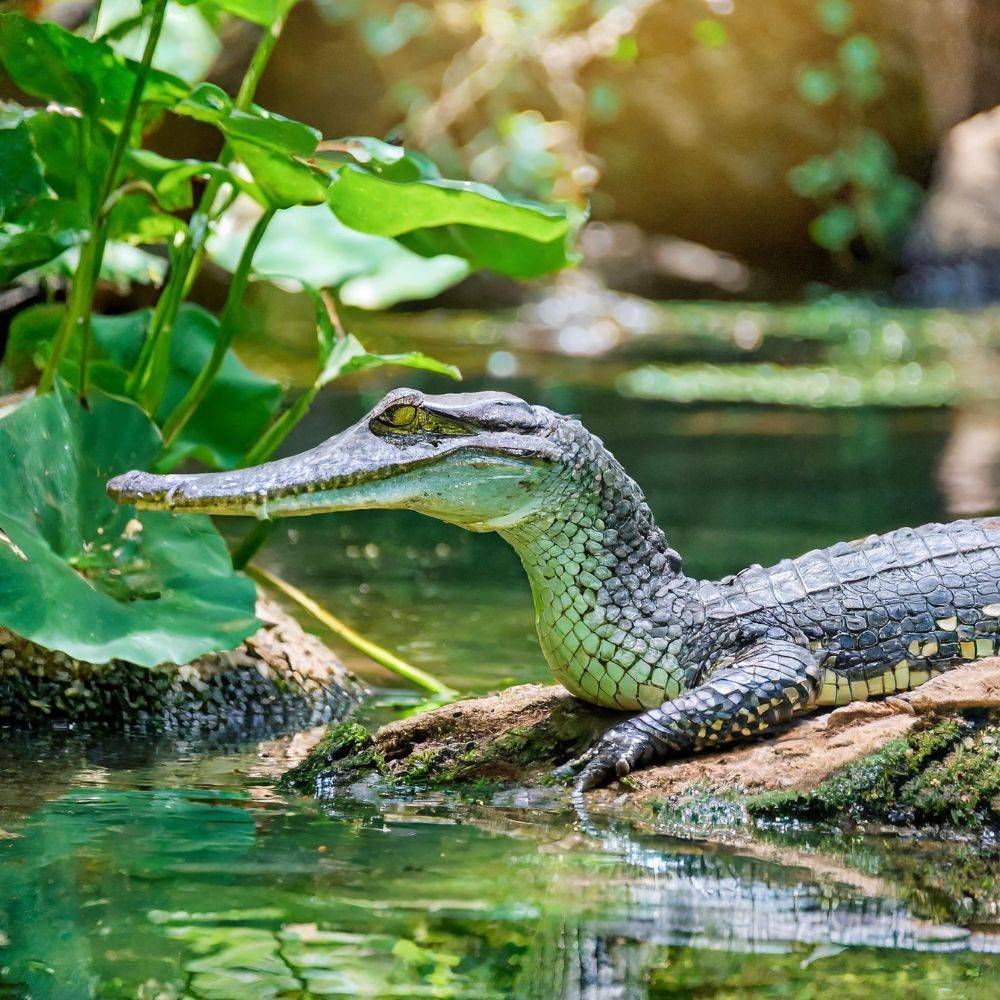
(615, 755)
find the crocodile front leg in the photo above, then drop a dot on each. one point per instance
(767, 684)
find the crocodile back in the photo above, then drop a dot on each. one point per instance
(918, 598)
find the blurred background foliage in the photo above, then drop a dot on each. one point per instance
(726, 148)
(782, 152)
(796, 135)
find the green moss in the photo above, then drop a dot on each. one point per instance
(946, 775)
(453, 756)
(963, 789)
(348, 745)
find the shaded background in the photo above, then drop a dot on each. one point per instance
(680, 119)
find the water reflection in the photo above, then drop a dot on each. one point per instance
(171, 871)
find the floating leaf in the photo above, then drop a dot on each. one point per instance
(799, 385)
(310, 246)
(516, 237)
(93, 579)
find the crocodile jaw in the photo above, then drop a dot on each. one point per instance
(465, 480)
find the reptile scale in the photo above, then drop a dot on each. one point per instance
(703, 662)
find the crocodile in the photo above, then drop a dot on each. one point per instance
(703, 662)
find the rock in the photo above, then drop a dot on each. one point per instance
(506, 737)
(279, 677)
(825, 766)
(953, 254)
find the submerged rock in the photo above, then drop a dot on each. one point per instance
(929, 756)
(279, 677)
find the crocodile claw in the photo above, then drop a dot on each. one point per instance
(614, 756)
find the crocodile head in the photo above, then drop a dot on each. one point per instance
(482, 460)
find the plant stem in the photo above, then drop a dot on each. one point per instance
(188, 262)
(227, 330)
(89, 268)
(269, 442)
(381, 656)
(259, 59)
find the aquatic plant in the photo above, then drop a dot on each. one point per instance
(80, 195)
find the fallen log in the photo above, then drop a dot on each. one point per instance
(931, 755)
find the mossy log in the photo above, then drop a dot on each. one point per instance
(929, 756)
(278, 678)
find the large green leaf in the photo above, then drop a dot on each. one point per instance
(40, 233)
(170, 180)
(309, 245)
(51, 63)
(135, 218)
(262, 12)
(75, 152)
(22, 173)
(238, 407)
(272, 147)
(385, 194)
(239, 404)
(95, 580)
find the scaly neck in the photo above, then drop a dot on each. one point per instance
(612, 605)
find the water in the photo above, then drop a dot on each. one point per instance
(171, 869)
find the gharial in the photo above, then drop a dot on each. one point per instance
(621, 625)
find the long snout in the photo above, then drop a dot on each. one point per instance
(245, 491)
(352, 470)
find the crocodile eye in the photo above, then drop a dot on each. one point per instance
(399, 417)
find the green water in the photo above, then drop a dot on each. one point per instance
(144, 868)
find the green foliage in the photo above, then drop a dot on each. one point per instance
(390, 193)
(23, 181)
(866, 205)
(941, 775)
(237, 408)
(187, 48)
(95, 580)
(262, 12)
(39, 233)
(48, 62)
(80, 195)
(309, 245)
